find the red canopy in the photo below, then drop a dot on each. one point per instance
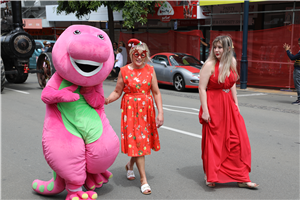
(172, 41)
(268, 63)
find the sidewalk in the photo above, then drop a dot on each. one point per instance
(290, 92)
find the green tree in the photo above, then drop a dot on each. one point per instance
(133, 11)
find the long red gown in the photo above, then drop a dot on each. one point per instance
(226, 151)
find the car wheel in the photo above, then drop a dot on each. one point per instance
(178, 82)
(2, 74)
(45, 64)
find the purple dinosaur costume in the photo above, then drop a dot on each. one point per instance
(79, 144)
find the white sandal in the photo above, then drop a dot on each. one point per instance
(146, 187)
(249, 185)
(130, 173)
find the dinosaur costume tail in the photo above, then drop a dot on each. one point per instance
(54, 186)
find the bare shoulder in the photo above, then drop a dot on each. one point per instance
(208, 65)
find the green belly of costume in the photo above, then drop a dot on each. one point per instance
(79, 118)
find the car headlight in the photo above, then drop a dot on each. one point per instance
(196, 75)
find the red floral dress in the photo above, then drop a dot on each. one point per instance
(138, 126)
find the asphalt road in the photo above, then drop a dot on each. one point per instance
(175, 172)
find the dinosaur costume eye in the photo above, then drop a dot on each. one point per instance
(101, 37)
(77, 32)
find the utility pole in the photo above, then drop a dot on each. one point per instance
(244, 61)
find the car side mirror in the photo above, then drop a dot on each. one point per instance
(164, 63)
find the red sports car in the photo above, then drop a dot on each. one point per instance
(178, 69)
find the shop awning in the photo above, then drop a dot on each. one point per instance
(219, 2)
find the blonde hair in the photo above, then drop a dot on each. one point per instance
(141, 47)
(227, 61)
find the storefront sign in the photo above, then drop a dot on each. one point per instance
(165, 9)
(100, 15)
(227, 22)
(32, 23)
(166, 12)
(220, 2)
(204, 12)
(165, 18)
(187, 22)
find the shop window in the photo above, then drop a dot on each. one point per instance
(297, 17)
(273, 20)
(278, 6)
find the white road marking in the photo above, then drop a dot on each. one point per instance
(187, 108)
(180, 111)
(181, 107)
(182, 132)
(16, 90)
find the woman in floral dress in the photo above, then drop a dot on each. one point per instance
(138, 123)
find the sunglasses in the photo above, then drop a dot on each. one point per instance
(137, 54)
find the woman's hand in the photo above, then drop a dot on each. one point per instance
(206, 117)
(237, 107)
(106, 101)
(159, 120)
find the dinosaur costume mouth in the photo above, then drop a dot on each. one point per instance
(86, 67)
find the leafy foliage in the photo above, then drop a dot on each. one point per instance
(133, 11)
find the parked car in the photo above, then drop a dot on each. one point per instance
(178, 69)
(37, 52)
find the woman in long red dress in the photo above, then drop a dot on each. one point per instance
(138, 123)
(226, 151)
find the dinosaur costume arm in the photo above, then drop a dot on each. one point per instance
(93, 95)
(51, 93)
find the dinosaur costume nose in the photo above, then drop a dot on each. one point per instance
(93, 49)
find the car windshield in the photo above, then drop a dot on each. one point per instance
(38, 45)
(185, 60)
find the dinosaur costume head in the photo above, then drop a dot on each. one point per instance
(82, 61)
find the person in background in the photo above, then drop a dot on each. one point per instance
(226, 151)
(118, 63)
(124, 52)
(45, 48)
(296, 73)
(49, 47)
(138, 124)
(115, 47)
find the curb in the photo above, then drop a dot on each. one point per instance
(271, 91)
(289, 92)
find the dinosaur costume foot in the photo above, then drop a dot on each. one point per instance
(80, 195)
(94, 181)
(54, 186)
